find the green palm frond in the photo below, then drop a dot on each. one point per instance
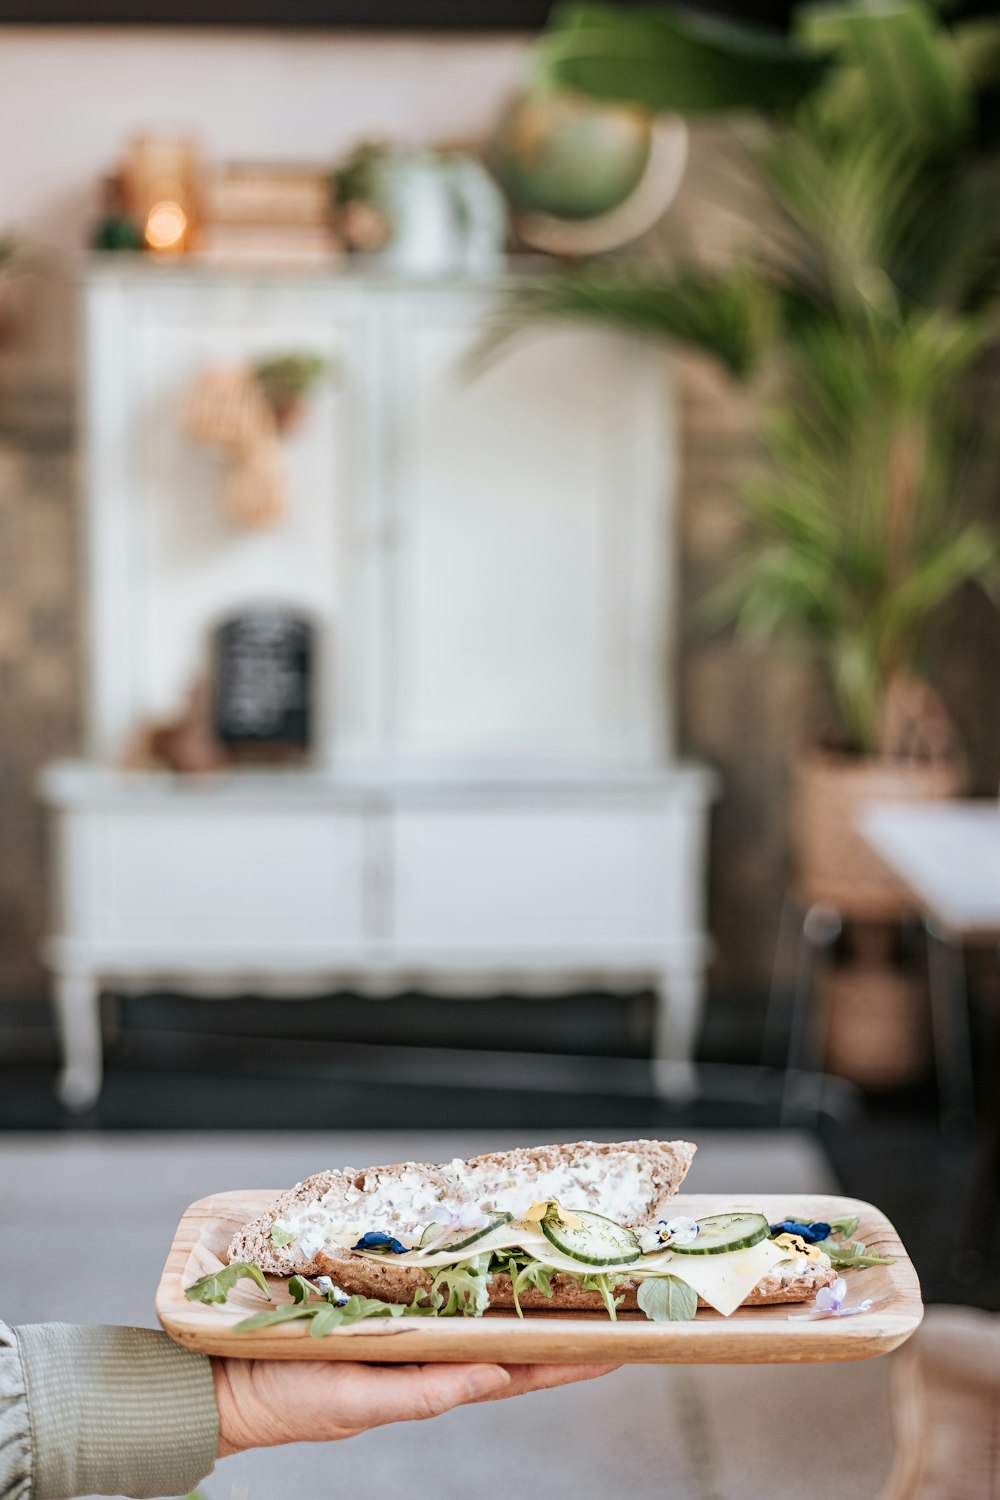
(668, 59)
(731, 315)
(870, 294)
(894, 62)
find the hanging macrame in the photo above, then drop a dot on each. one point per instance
(229, 408)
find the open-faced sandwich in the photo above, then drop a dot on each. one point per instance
(556, 1228)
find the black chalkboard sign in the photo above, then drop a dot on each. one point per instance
(263, 680)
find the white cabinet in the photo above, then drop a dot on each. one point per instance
(488, 558)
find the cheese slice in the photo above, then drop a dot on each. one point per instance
(723, 1281)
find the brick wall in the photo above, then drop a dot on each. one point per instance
(39, 655)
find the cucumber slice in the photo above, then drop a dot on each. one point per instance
(462, 1238)
(721, 1232)
(597, 1242)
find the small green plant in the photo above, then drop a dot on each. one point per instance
(866, 307)
(286, 379)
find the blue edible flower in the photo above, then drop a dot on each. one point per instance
(375, 1239)
(811, 1233)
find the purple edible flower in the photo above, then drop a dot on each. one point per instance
(830, 1303)
(831, 1298)
(376, 1239)
(811, 1233)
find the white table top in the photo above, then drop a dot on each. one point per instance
(947, 854)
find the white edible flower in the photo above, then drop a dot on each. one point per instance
(680, 1231)
(649, 1240)
(471, 1216)
(329, 1288)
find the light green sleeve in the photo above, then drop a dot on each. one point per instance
(105, 1411)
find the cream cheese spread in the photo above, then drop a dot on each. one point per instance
(404, 1201)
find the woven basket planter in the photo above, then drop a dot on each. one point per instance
(878, 1033)
(833, 862)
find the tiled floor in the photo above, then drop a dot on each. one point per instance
(87, 1220)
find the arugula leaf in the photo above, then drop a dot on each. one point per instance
(467, 1286)
(324, 1315)
(845, 1228)
(300, 1290)
(853, 1255)
(523, 1272)
(354, 1310)
(598, 1282)
(216, 1286)
(666, 1299)
(326, 1319)
(281, 1237)
(288, 1312)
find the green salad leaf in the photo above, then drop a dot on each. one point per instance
(324, 1315)
(300, 1289)
(216, 1286)
(852, 1255)
(666, 1299)
(845, 1228)
(460, 1289)
(524, 1272)
(281, 1237)
(598, 1281)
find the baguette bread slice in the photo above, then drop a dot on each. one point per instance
(367, 1277)
(659, 1168)
(348, 1194)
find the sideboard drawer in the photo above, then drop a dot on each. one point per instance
(199, 878)
(578, 878)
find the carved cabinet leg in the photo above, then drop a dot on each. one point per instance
(78, 1009)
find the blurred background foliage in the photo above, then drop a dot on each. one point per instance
(864, 307)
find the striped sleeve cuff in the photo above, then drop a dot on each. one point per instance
(116, 1411)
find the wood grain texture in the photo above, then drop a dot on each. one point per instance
(758, 1335)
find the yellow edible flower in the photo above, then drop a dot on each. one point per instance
(548, 1208)
(796, 1245)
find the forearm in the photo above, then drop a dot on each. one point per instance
(112, 1411)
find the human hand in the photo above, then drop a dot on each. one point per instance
(265, 1402)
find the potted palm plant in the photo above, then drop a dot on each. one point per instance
(9, 260)
(866, 309)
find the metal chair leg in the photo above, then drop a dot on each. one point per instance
(821, 927)
(950, 1023)
(777, 1017)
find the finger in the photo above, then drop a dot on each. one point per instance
(412, 1393)
(525, 1378)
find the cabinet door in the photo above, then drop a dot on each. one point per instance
(166, 562)
(526, 590)
(571, 882)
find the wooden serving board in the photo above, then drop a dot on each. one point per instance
(753, 1335)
